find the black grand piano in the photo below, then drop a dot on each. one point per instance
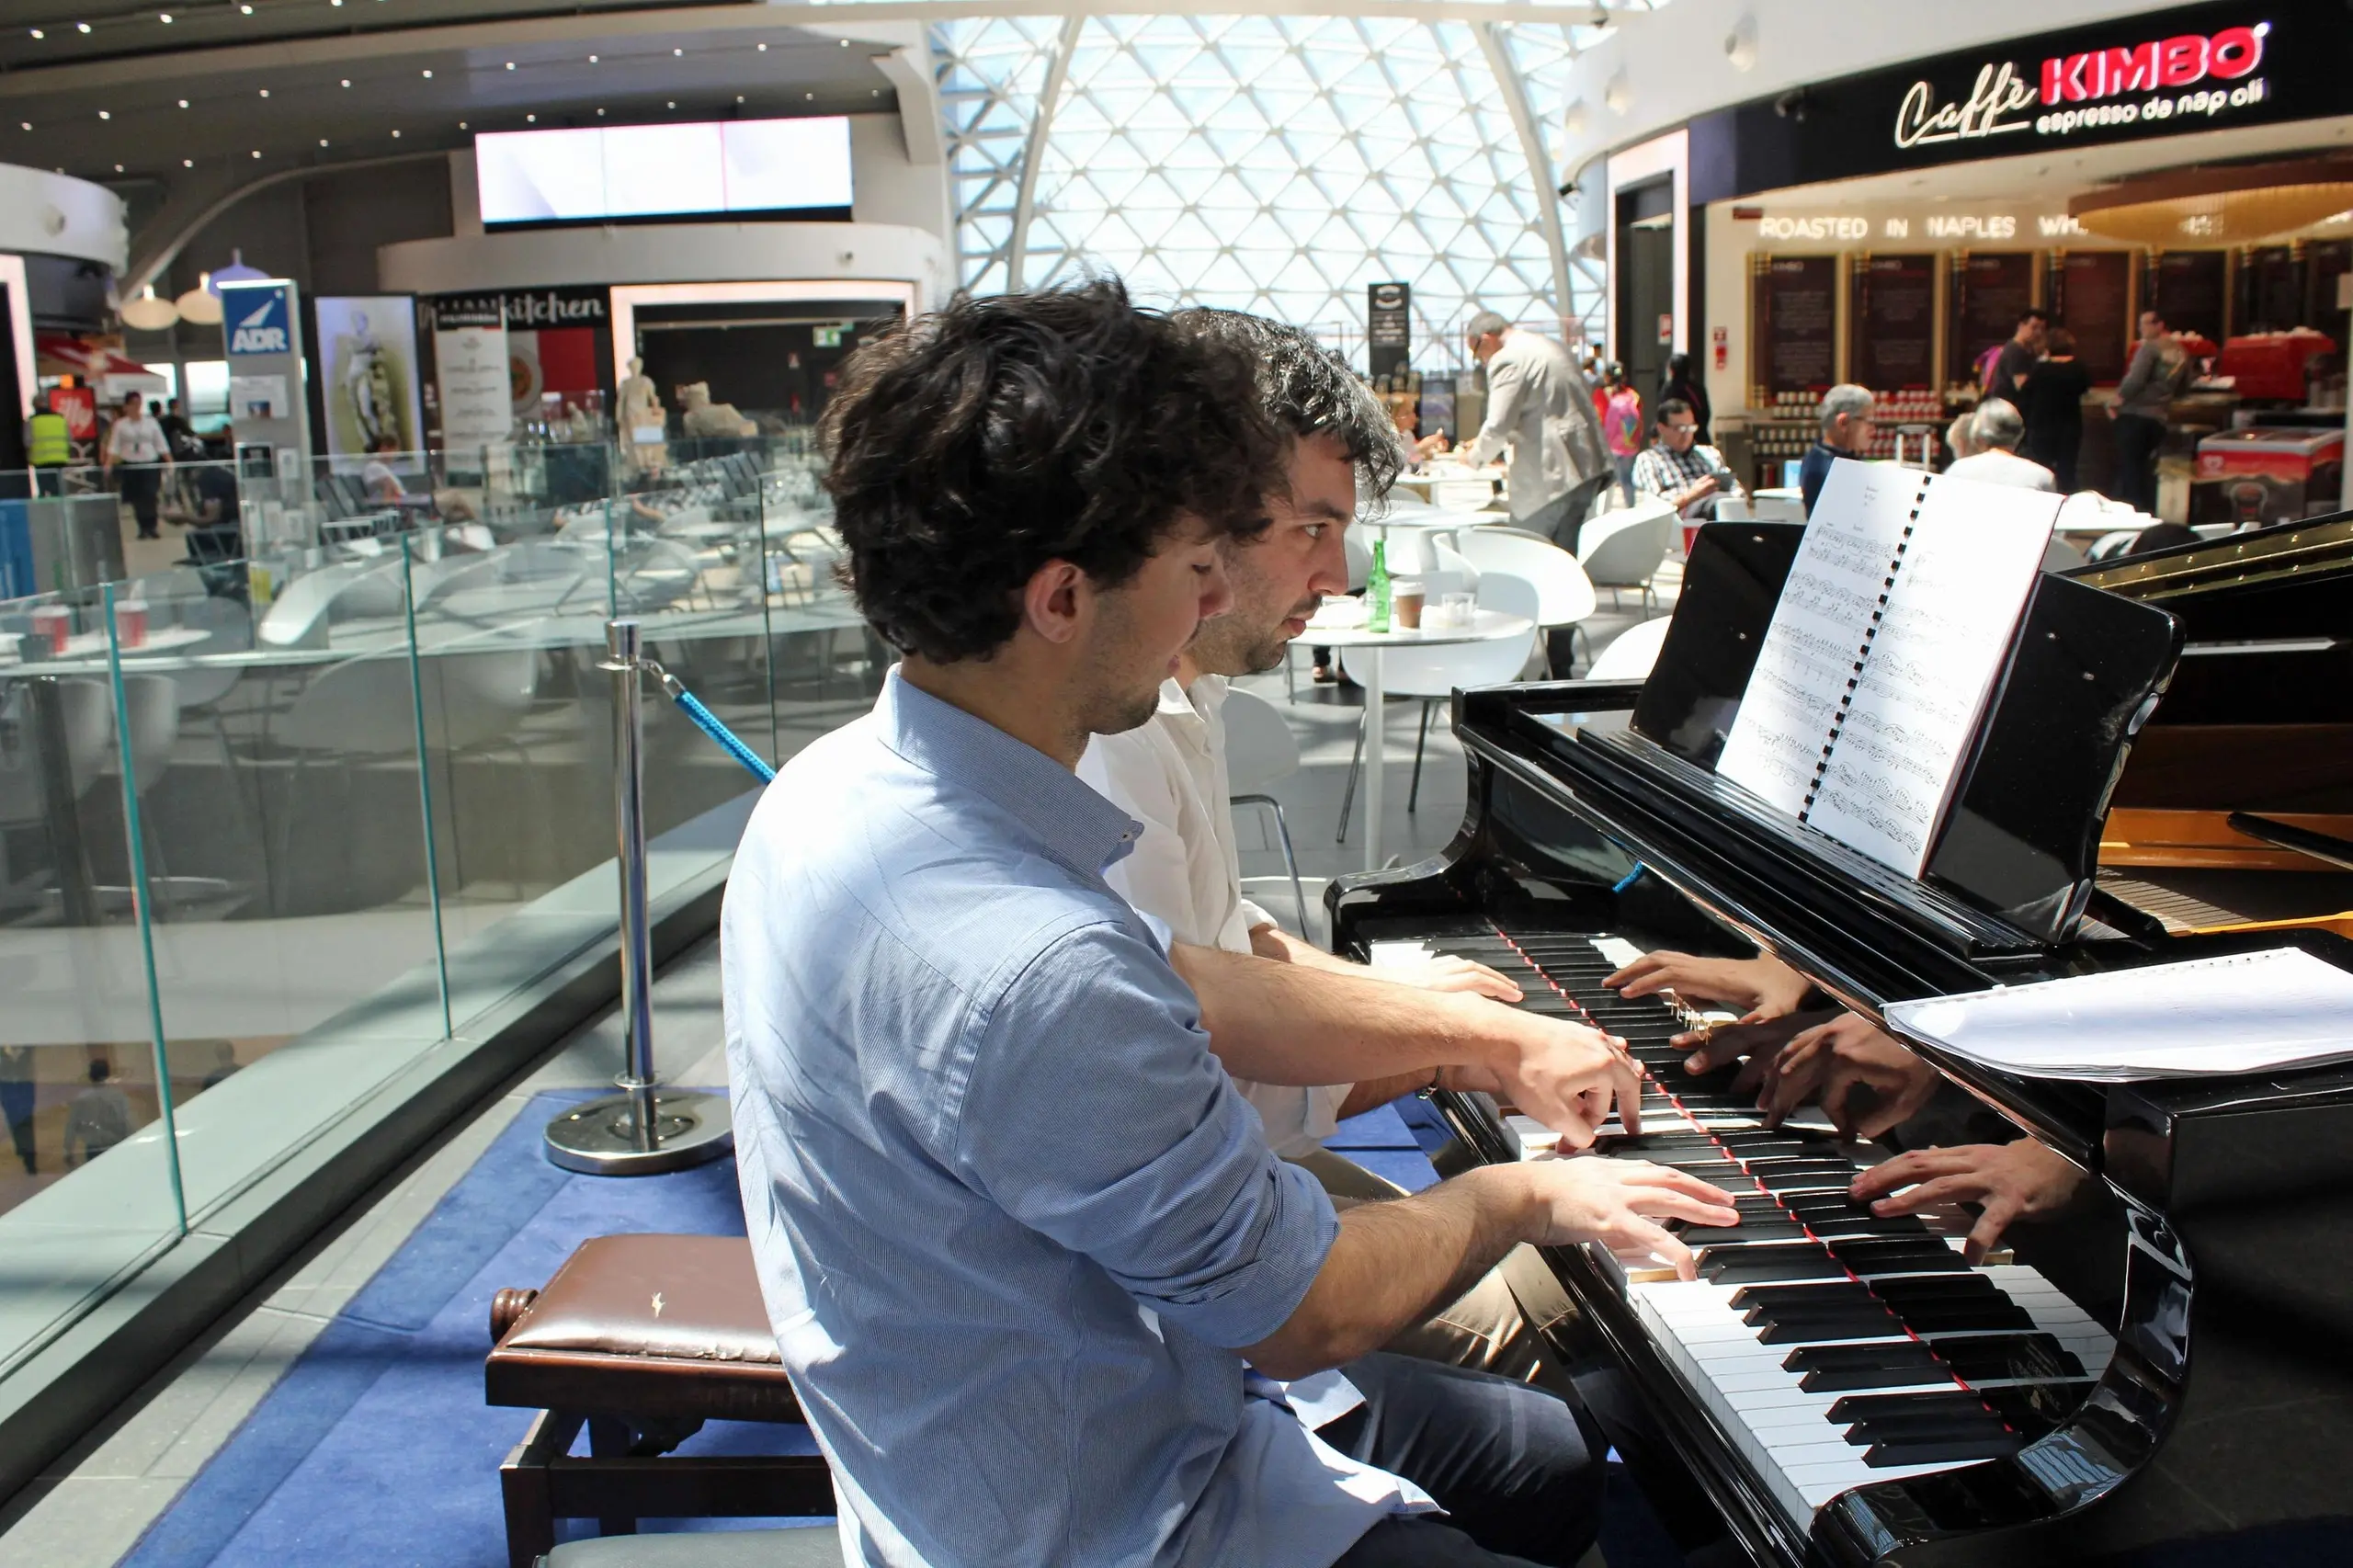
(2173, 1365)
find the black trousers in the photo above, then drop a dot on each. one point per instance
(140, 487)
(2138, 437)
(1515, 1468)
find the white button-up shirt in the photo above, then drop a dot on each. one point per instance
(1186, 872)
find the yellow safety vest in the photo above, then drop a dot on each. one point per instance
(51, 446)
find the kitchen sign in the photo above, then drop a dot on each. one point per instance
(2223, 63)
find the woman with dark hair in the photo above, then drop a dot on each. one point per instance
(2052, 401)
(1679, 382)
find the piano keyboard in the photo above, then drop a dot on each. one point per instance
(1833, 1346)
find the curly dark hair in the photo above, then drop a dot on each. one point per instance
(977, 443)
(1310, 390)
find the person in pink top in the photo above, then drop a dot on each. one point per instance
(1621, 426)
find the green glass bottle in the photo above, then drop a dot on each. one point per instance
(1376, 589)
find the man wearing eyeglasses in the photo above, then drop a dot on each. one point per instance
(1676, 469)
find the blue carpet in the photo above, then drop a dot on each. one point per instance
(375, 1448)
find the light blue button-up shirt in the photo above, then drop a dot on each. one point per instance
(1010, 1216)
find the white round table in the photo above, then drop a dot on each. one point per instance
(1486, 626)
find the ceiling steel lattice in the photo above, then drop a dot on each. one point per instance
(1269, 164)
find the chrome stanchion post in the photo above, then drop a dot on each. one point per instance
(643, 1129)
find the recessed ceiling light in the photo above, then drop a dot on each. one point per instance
(811, 96)
(739, 97)
(27, 124)
(323, 141)
(187, 163)
(256, 152)
(845, 43)
(592, 60)
(672, 103)
(764, 49)
(428, 76)
(875, 92)
(38, 33)
(462, 125)
(396, 135)
(346, 81)
(118, 169)
(678, 52)
(183, 103)
(80, 27)
(105, 114)
(164, 16)
(510, 65)
(265, 92)
(600, 113)
(531, 119)
(247, 11)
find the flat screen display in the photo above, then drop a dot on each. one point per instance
(653, 171)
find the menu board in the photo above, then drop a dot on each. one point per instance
(1793, 312)
(2270, 289)
(2191, 289)
(1892, 323)
(1990, 291)
(2325, 262)
(2091, 296)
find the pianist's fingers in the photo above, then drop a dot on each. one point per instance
(1876, 1184)
(1636, 1238)
(1795, 1074)
(1447, 972)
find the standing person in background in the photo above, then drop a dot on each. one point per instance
(1621, 426)
(99, 1118)
(1682, 385)
(2051, 402)
(2143, 403)
(136, 446)
(2019, 356)
(1539, 408)
(18, 1093)
(48, 447)
(1846, 413)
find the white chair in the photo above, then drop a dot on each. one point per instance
(1563, 594)
(1432, 674)
(1760, 510)
(1259, 749)
(366, 708)
(1625, 549)
(298, 616)
(2110, 545)
(1632, 651)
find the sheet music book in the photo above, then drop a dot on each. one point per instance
(2246, 1013)
(1892, 628)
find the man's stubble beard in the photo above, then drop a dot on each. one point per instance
(1225, 647)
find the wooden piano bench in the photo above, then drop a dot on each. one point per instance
(642, 1338)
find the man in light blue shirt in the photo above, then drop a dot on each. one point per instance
(1017, 1233)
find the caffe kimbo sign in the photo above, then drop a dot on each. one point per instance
(2180, 82)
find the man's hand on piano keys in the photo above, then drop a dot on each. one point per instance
(1863, 1080)
(1444, 972)
(1620, 1202)
(2011, 1181)
(1762, 987)
(1563, 1074)
(1756, 1046)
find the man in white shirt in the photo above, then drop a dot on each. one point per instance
(1185, 871)
(1995, 433)
(137, 454)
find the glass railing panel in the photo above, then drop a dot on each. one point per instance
(86, 1191)
(273, 737)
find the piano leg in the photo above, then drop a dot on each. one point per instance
(1376, 756)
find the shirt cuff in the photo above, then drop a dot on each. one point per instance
(1301, 1227)
(1254, 917)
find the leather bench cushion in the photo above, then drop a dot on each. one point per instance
(813, 1548)
(679, 1298)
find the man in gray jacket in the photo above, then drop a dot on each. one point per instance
(1541, 407)
(2143, 402)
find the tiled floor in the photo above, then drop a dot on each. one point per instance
(97, 1502)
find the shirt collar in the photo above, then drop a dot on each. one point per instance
(1074, 823)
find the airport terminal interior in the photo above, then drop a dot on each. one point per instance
(1436, 782)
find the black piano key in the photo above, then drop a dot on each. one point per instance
(1926, 1427)
(2009, 1358)
(1752, 1298)
(1834, 1368)
(1944, 1450)
(1831, 1328)
(1866, 1407)
(1752, 1231)
(1754, 1265)
(1936, 1286)
(1961, 1314)
(1828, 1225)
(1868, 1255)
(1803, 1180)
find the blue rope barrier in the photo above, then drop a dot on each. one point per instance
(708, 723)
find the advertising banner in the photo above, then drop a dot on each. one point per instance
(261, 328)
(472, 370)
(368, 361)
